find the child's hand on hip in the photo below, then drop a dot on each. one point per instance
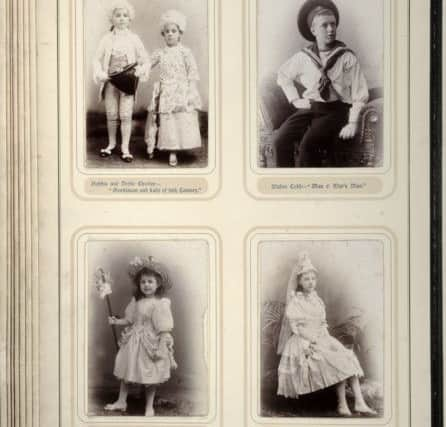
(301, 104)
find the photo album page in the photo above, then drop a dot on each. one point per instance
(216, 213)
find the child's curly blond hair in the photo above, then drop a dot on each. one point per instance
(121, 4)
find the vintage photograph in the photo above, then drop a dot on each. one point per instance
(146, 71)
(148, 318)
(321, 328)
(320, 96)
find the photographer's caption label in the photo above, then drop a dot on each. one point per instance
(143, 186)
(319, 186)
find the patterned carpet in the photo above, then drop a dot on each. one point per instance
(97, 139)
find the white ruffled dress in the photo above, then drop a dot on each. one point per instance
(143, 357)
(305, 367)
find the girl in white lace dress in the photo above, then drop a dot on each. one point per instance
(120, 51)
(172, 123)
(311, 359)
(145, 353)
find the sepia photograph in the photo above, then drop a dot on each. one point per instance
(148, 319)
(320, 83)
(321, 329)
(146, 82)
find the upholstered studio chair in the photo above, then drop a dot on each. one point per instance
(365, 150)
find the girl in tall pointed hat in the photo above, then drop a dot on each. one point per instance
(311, 359)
(335, 89)
(119, 63)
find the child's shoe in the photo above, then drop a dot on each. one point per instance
(173, 161)
(127, 157)
(106, 152)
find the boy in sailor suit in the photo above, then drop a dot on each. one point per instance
(335, 89)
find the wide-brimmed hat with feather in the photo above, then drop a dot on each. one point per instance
(149, 263)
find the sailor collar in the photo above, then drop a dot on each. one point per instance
(338, 49)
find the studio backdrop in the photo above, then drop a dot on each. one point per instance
(147, 26)
(350, 282)
(361, 27)
(187, 263)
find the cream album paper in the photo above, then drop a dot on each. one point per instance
(215, 213)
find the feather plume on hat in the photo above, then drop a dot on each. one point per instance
(149, 263)
(173, 16)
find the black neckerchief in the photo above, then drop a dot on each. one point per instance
(337, 50)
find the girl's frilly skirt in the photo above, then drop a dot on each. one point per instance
(143, 358)
(173, 123)
(303, 371)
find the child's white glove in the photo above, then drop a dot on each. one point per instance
(138, 71)
(311, 350)
(315, 351)
(348, 131)
(167, 340)
(102, 76)
(142, 72)
(113, 320)
(165, 346)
